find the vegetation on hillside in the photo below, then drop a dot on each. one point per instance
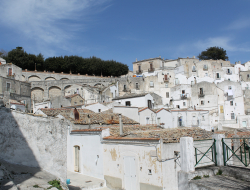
(75, 64)
(214, 53)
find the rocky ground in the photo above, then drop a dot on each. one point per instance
(16, 177)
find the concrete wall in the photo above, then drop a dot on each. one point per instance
(137, 101)
(163, 174)
(130, 112)
(95, 107)
(34, 141)
(91, 154)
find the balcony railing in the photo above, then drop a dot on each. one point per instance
(166, 79)
(151, 70)
(229, 73)
(183, 96)
(11, 76)
(138, 72)
(193, 70)
(205, 69)
(125, 90)
(201, 95)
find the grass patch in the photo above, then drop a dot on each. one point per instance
(197, 177)
(55, 183)
(35, 186)
(219, 172)
(206, 176)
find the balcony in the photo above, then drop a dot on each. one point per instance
(193, 70)
(201, 95)
(11, 76)
(183, 96)
(139, 72)
(125, 90)
(229, 73)
(151, 70)
(166, 79)
(205, 68)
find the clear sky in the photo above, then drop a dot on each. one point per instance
(124, 30)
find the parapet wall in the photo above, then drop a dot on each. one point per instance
(34, 141)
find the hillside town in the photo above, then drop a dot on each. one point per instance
(128, 132)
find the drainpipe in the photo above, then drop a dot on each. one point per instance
(121, 125)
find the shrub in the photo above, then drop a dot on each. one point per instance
(55, 183)
(197, 177)
(219, 172)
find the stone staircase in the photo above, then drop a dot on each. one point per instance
(231, 178)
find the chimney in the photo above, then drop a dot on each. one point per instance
(121, 125)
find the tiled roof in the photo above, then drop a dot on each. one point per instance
(173, 135)
(153, 132)
(72, 95)
(132, 95)
(103, 119)
(108, 111)
(63, 111)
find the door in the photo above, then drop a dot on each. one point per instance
(129, 173)
(76, 163)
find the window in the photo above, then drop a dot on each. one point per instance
(203, 118)
(232, 115)
(184, 103)
(176, 81)
(165, 77)
(8, 87)
(228, 71)
(167, 94)
(149, 104)
(151, 84)
(231, 103)
(179, 121)
(193, 69)
(204, 67)
(99, 110)
(183, 91)
(151, 66)
(201, 90)
(136, 85)
(139, 68)
(228, 79)
(159, 120)
(229, 88)
(248, 76)
(166, 85)
(124, 87)
(9, 71)
(177, 106)
(127, 103)
(202, 102)
(217, 75)
(147, 120)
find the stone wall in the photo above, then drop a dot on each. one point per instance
(34, 141)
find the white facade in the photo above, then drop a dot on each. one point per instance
(130, 112)
(37, 106)
(90, 154)
(140, 101)
(97, 108)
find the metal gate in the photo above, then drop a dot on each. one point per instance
(236, 151)
(205, 153)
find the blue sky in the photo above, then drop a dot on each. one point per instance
(124, 30)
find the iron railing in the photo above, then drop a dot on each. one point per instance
(236, 151)
(205, 153)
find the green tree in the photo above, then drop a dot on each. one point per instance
(214, 53)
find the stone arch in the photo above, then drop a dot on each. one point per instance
(99, 85)
(66, 90)
(34, 78)
(64, 79)
(50, 78)
(37, 94)
(54, 91)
